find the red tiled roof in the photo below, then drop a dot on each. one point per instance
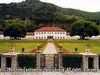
(50, 29)
(30, 33)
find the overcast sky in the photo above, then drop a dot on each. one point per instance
(87, 5)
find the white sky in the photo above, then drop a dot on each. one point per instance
(87, 5)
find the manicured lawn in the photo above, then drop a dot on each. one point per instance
(28, 45)
(81, 45)
(69, 45)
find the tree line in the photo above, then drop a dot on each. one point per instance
(17, 28)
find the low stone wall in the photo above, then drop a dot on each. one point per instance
(30, 60)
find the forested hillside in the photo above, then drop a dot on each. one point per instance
(33, 14)
(29, 8)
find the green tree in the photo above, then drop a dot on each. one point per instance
(15, 29)
(45, 14)
(84, 28)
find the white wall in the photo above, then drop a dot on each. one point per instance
(2, 37)
(76, 37)
(29, 37)
(44, 35)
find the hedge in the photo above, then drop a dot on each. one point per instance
(26, 61)
(72, 61)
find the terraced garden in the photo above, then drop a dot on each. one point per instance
(28, 45)
(80, 45)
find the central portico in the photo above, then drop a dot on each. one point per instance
(49, 37)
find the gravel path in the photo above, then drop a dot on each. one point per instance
(50, 49)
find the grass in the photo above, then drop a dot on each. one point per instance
(81, 45)
(28, 45)
(69, 45)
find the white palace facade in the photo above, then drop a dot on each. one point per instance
(46, 33)
(50, 33)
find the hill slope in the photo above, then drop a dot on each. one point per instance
(30, 8)
(90, 15)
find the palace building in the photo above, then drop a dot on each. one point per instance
(50, 33)
(44, 33)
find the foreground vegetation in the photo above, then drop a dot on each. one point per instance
(80, 45)
(28, 45)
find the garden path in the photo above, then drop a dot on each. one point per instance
(50, 49)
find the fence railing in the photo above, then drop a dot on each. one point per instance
(49, 70)
(67, 71)
(32, 70)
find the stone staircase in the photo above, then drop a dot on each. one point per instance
(49, 61)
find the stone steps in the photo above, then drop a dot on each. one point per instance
(49, 61)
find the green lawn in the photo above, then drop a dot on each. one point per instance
(82, 45)
(69, 45)
(29, 45)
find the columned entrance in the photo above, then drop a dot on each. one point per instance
(90, 62)
(9, 60)
(50, 37)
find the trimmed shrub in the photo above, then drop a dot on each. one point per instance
(72, 61)
(26, 61)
